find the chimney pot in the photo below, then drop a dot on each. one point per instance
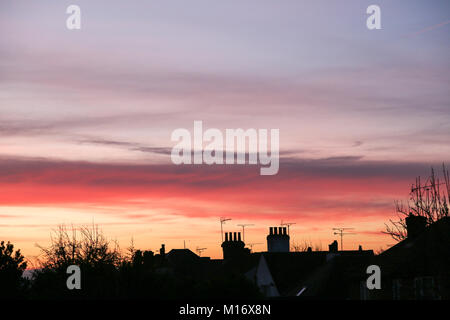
(280, 230)
(239, 236)
(235, 237)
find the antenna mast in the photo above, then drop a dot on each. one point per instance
(288, 224)
(340, 232)
(426, 187)
(200, 250)
(222, 221)
(243, 229)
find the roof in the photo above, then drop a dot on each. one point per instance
(426, 254)
(332, 279)
(291, 271)
(182, 258)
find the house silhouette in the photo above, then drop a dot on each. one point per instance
(416, 268)
(419, 266)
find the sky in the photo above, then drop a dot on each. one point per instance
(86, 117)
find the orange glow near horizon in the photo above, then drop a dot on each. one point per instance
(154, 205)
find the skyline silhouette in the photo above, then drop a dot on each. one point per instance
(86, 117)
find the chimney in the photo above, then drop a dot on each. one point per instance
(277, 240)
(233, 247)
(333, 247)
(415, 225)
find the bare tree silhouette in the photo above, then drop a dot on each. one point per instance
(429, 200)
(303, 246)
(88, 247)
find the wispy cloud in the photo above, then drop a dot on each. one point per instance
(427, 29)
(132, 146)
(331, 186)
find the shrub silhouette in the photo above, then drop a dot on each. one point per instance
(106, 273)
(12, 266)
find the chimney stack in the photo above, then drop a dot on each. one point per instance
(278, 240)
(233, 246)
(333, 247)
(415, 225)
